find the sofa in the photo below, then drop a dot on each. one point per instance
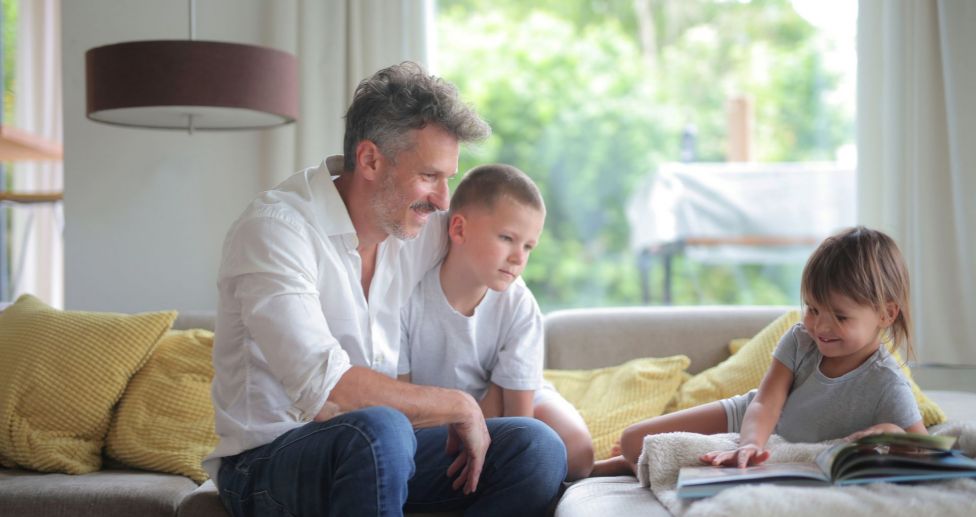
(575, 339)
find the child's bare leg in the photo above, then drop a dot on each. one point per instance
(563, 418)
(705, 419)
(615, 466)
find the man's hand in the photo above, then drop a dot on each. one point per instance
(875, 429)
(742, 457)
(469, 439)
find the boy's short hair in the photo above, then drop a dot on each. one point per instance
(485, 184)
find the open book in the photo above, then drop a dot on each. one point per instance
(891, 458)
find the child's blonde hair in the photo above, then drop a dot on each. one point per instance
(485, 184)
(866, 266)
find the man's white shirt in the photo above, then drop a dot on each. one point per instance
(291, 315)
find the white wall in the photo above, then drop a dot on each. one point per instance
(146, 210)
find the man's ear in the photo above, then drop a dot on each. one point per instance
(368, 159)
(455, 228)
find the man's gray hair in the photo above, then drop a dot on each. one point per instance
(386, 106)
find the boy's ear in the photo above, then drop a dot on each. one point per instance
(455, 228)
(368, 158)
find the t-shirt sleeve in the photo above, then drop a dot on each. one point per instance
(519, 365)
(898, 405)
(788, 350)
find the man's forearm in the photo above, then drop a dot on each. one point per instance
(424, 406)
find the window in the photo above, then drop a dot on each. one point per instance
(602, 101)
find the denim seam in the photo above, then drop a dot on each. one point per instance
(496, 440)
(363, 434)
(271, 453)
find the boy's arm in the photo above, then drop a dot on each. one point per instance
(404, 377)
(759, 421)
(493, 404)
(517, 402)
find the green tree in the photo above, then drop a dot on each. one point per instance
(589, 97)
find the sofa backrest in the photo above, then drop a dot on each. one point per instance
(595, 338)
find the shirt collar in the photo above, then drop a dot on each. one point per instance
(331, 211)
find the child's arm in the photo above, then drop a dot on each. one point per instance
(759, 421)
(501, 402)
(492, 405)
(517, 402)
(403, 377)
(917, 427)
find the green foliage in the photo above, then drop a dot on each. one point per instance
(589, 97)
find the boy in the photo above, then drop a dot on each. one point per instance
(472, 324)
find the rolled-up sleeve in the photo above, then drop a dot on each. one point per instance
(272, 263)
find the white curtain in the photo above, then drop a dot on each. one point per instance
(917, 158)
(341, 42)
(37, 245)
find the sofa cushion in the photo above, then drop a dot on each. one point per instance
(61, 374)
(610, 399)
(165, 420)
(106, 493)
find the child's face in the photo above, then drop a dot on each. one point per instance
(495, 243)
(856, 333)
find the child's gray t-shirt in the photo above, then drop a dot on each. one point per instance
(822, 408)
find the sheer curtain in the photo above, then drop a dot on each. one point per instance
(37, 245)
(340, 42)
(917, 158)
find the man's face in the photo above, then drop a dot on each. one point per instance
(417, 184)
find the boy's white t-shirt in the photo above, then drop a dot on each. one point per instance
(502, 342)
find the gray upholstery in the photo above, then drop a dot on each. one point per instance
(575, 339)
(106, 493)
(595, 338)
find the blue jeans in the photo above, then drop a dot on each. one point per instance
(372, 462)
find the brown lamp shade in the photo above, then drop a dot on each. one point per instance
(191, 84)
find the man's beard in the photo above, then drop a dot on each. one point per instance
(389, 202)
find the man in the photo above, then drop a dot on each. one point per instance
(312, 279)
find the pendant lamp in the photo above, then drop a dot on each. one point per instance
(191, 85)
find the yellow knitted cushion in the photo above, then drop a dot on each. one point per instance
(932, 414)
(165, 420)
(610, 399)
(60, 374)
(749, 362)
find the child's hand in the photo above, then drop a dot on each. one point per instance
(742, 457)
(875, 429)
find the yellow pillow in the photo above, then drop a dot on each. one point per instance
(749, 362)
(737, 374)
(165, 420)
(610, 399)
(932, 414)
(61, 373)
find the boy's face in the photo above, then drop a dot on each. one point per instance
(495, 242)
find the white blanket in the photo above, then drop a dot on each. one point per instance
(665, 454)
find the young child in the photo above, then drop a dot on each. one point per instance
(472, 324)
(830, 377)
